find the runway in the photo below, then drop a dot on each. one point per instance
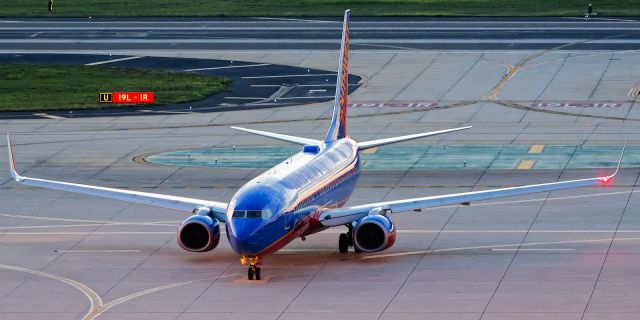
(561, 255)
(320, 34)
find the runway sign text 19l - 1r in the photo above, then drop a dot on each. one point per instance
(127, 97)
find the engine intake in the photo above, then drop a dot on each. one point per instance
(374, 233)
(199, 234)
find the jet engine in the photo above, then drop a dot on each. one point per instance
(374, 233)
(199, 234)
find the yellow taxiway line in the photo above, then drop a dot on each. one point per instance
(526, 164)
(536, 148)
(94, 298)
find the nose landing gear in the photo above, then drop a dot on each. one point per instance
(254, 270)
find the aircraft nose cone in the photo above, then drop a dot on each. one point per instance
(243, 236)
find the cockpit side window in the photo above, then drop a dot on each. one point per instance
(239, 214)
(266, 213)
(254, 213)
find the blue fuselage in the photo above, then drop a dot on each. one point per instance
(284, 202)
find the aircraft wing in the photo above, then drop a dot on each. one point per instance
(341, 216)
(153, 199)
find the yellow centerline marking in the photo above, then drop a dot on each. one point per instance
(132, 296)
(94, 298)
(536, 148)
(511, 71)
(526, 164)
(97, 306)
(370, 151)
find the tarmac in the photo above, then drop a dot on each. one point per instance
(562, 255)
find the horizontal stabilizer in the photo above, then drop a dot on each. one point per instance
(381, 142)
(282, 137)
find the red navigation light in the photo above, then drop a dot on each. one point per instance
(606, 180)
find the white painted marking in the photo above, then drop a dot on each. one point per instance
(495, 246)
(292, 75)
(386, 29)
(306, 97)
(230, 67)
(299, 85)
(18, 216)
(111, 61)
(516, 231)
(304, 250)
(46, 115)
(245, 98)
(604, 19)
(34, 35)
(388, 43)
(555, 198)
(82, 233)
(533, 249)
(97, 251)
(297, 20)
(317, 90)
(57, 226)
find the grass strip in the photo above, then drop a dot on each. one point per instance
(306, 8)
(28, 87)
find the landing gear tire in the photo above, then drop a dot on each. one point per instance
(253, 273)
(343, 243)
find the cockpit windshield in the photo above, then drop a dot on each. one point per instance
(264, 214)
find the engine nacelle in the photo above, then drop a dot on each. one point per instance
(374, 233)
(199, 234)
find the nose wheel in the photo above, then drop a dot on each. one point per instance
(253, 272)
(253, 261)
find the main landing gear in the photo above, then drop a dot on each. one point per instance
(345, 240)
(254, 270)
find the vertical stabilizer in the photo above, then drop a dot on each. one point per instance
(338, 129)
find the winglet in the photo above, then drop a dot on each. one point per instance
(621, 155)
(607, 179)
(12, 164)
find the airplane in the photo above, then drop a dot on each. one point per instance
(301, 196)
